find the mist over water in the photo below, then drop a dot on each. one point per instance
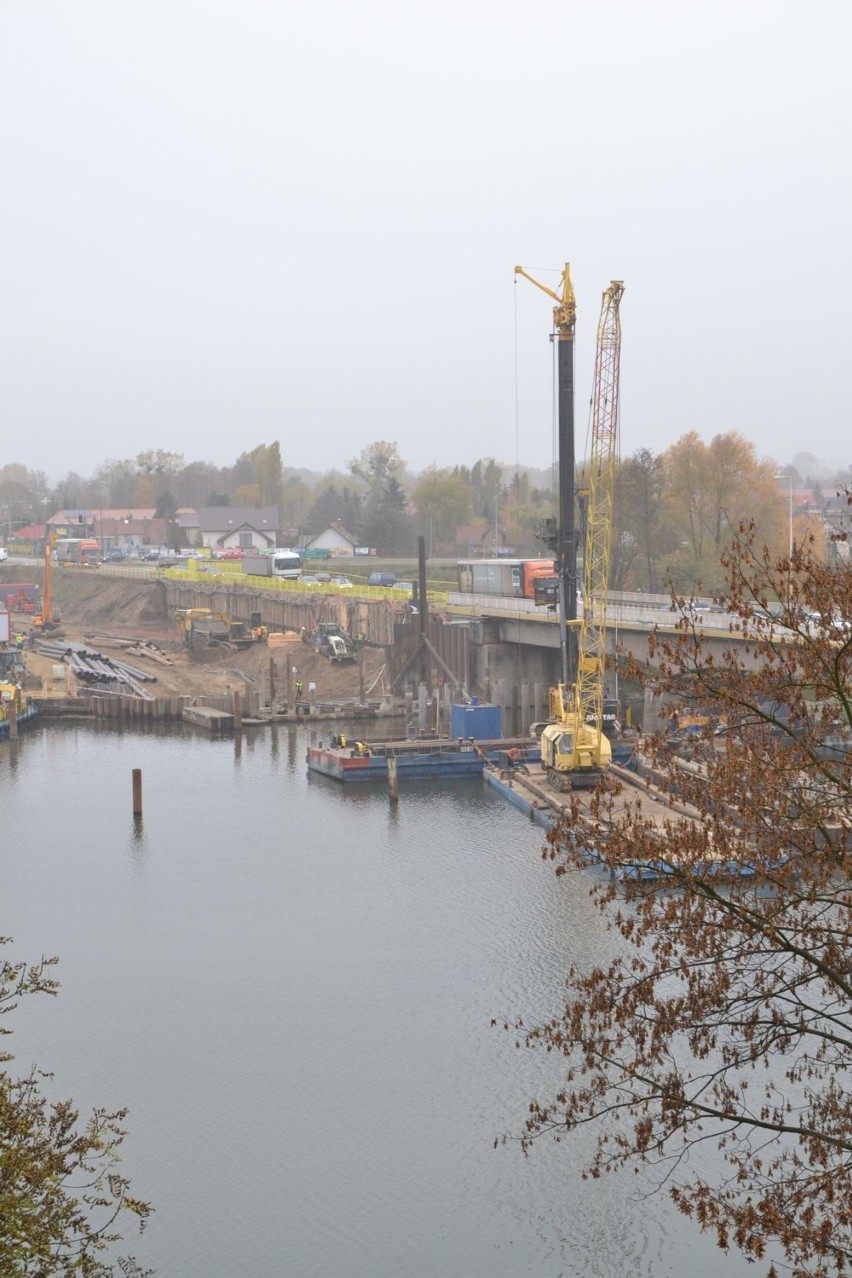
(291, 984)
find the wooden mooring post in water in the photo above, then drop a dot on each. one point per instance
(137, 792)
(393, 780)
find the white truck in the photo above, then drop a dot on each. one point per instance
(281, 563)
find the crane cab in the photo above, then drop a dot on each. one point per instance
(574, 755)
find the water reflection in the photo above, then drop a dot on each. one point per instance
(291, 985)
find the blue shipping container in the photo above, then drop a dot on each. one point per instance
(483, 723)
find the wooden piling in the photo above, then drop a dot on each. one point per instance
(12, 716)
(137, 792)
(393, 780)
(238, 712)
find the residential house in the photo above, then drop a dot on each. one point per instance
(483, 539)
(28, 533)
(186, 518)
(335, 539)
(238, 527)
(123, 526)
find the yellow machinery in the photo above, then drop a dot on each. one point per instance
(46, 621)
(201, 627)
(575, 750)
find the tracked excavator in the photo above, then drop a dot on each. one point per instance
(202, 628)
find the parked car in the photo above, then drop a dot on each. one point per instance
(233, 553)
(342, 583)
(381, 579)
(308, 580)
(4, 554)
(405, 585)
(323, 576)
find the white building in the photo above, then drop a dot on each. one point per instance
(238, 527)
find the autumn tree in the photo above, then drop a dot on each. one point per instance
(334, 506)
(724, 1015)
(642, 536)
(522, 512)
(708, 489)
(444, 499)
(160, 464)
(384, 521)
(61, 1195)
(195, 482)
(257, 477)
(114, 482)
(486, 477)
(296, 498)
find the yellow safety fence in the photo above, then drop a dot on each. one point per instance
(196, 569)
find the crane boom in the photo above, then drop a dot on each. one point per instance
(599, 518)
(565, 311)
(45, 621)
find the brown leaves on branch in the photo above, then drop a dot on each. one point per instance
(61, 1195)
(725, 1011)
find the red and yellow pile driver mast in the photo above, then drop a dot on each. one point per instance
(599, 518)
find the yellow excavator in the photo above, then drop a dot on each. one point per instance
(203, 628)
(575, 750)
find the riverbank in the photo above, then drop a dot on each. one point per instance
(129, 621)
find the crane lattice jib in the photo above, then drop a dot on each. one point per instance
(592, 645)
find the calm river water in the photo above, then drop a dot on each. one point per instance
(290, 985)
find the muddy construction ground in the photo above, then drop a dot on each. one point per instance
(104, 613)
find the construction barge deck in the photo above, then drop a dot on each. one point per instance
(421, 758)
(417, 759)
(526, 789)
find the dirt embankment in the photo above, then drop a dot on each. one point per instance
(104, 612)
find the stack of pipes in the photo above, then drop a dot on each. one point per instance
(97, 671)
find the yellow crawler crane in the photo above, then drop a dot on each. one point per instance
(575, 750)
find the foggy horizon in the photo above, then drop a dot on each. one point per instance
(231, 224)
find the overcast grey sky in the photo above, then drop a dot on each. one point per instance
(230, 221)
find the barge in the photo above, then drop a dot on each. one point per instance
(527, 790)
(417, 759)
